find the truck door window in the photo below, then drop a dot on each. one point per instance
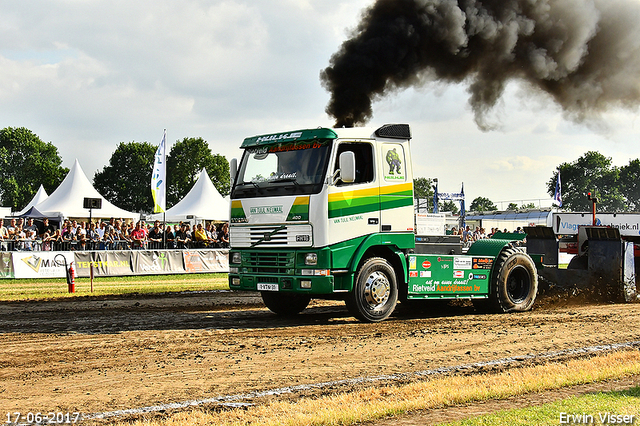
(364, 161)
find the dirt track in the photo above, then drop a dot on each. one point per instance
(97, 355)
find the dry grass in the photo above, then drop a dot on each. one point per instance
(378, 402)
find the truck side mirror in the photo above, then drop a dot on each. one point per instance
(233, 169)
(347, 163)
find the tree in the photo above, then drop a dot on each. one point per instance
(593, 173)
(630, 184)
(184, 164)
(512, 206)
(449, 206)
(423, 190)
(26, 162)
(482, 204)
(527, 206)
(126, 181)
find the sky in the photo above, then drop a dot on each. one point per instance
(86, 75)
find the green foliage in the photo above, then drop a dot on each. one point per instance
(512, 206)
(184, 164)
(482, 204)
(449, 206)
(528, 206)
(593, 173)
(423, 192)
(126, 181)
(26, 162)
(422, 188)
(630, 184)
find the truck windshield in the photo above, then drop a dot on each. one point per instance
(282, 169)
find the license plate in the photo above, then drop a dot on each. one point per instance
(267, 287)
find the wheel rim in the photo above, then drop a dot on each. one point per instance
(518, 284)
(377, 289)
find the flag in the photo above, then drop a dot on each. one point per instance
(557, 196)
(435, 198)
(462, 212)
(159, 177)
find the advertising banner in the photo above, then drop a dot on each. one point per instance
(157, 262)
(105, 263)
(567, 223)
(40, 264)
(206, 261)
(6, 265)
(44, 264)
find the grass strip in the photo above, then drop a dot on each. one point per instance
(43, 289)
(383, 401)
(602, 408)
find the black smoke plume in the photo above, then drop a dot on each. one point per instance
(584, 53)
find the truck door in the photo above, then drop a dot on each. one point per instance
(396, 188)
(354, 208)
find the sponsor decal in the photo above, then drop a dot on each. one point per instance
(158, 262)
(412, 262)
(413, 274)
(426, 264)
(458, 274)
(462, 263)
(348, 219)
(425, 274)
(479, 276)
(279, 137)
(266, 210)
(33, 262)
(482, 263)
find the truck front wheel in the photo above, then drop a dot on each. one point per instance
(285, 304)
(514, 283)
(375, 291)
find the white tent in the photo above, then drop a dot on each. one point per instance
(203, 202)
(68, 199)
(40, 196)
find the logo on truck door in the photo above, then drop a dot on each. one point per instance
(266, 210)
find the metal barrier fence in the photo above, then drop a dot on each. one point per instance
(40, 245)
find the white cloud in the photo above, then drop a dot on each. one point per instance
(86, 75)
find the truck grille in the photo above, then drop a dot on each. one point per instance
(271, 236)
(269, 262)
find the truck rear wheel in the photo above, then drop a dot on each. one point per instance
(285, 304)
(375, 291)
(514, 282)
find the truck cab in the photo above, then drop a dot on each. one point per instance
(328, 213)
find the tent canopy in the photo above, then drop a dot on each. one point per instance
(40, 196)
(68, 199)
(203, 202)
(36, 214)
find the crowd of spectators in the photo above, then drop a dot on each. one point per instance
(115, 234)
(468, 235)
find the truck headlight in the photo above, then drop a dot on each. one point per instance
(236, 257)
(311, 259)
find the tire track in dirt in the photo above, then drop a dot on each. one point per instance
(108, 354)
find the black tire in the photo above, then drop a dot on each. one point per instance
(375, 291)
(579, 262)
(285, 304)
(514, 283)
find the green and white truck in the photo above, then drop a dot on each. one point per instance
(328, 213)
